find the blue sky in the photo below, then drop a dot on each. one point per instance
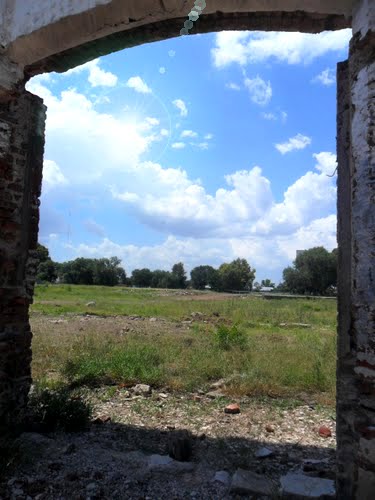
(200, 149)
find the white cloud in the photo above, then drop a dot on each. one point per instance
(98, 77)
(327, 77)
(208, 137)
(260, 91)
(233, 86)
(275, 116)
(181, 106)
(93, 227)
(164, 132)
(52, 175)
(171, 53)
(202, 145)
(294, 48)
(188, 133)
(89, 143)
(269, 116)
(178, 145)
(327, 162)
(136, 83)
(162, 70)
(298, 142)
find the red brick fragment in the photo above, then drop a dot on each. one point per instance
(232, 409)
(325, 431)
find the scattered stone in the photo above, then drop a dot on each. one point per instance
(196, 397)
(196, 314)
(304, 487)
(249, 483)
(232, 409)
(270, 428)
(325, 431)
(222, 476)
(164, 463)
(142, 390)
(215, 394)
(103, 419)
(91, 304)
(162, 395)
(189, 322)
(263, 453)
(152, 320)
(218, 385)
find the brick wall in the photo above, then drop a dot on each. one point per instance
(21, 160)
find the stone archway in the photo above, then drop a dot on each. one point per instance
(36, 39)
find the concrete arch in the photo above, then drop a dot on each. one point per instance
(47, 36)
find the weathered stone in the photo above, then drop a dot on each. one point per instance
(324, 431)
(301, 487)
(249, 483)
(263, 453)
(232, 409)
(142, 390)
(222, 476)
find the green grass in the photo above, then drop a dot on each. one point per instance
(249, 344)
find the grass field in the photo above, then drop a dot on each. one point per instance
(192, 340)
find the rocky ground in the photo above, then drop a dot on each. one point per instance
(260, 450)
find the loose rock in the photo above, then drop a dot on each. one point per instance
(263, 453)
(247, 482)
(232, 409)
(325, 431)
(142, 390)
(305, 487)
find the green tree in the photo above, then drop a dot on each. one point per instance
(314, 271)
(141, 277)
(268, 283)
(47, 271)
(179, 275)
(204, 275)
(108, 272)
(237, 275)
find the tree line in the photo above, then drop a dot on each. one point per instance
(313, 272)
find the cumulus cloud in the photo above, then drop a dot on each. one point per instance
(269, 116)
(162, 70)
(136, 83)
(327, 77)
(298, 142)
(233, 86)
(171, 202)
(208, 137)
(181, 106)
(260, 91)
(188, 133)
(52, 175)
(293, 48)
(178, 145)
(87, 142)
(98, 77)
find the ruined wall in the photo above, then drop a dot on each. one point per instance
(356, 235)
(21, 160)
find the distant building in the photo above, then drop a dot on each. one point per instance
(266, 289)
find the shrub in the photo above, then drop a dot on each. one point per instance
(59, 410)
(227, 337)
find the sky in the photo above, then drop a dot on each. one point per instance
(200, 149)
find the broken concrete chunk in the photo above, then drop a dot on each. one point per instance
(301, 487)
(247, 482)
